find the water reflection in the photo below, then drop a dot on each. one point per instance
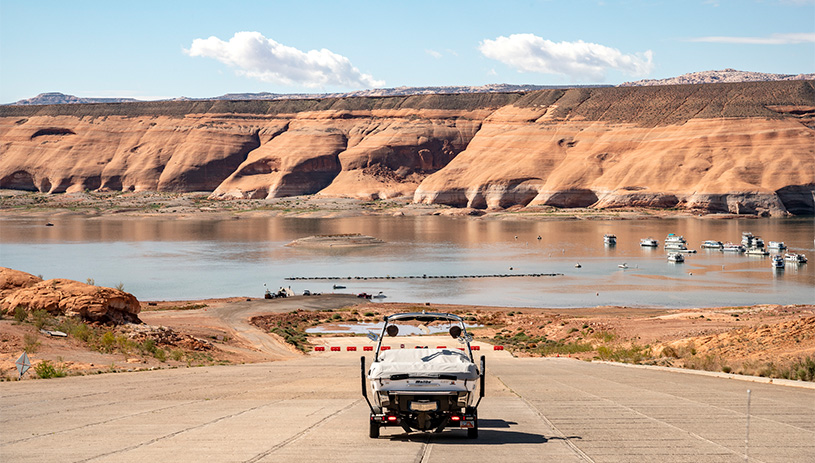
(176, 259)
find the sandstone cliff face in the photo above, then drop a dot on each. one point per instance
(746, 148)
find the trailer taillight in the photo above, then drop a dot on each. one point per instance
(455, 418)
(391, 418)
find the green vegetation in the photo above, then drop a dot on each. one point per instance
(20, 314)
(633, 354)
(46, 369)
(293, 336)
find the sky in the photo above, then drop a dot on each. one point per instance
(173, 48)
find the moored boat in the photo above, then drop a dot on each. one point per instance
(756, 252)
(730, 247)
(778, 261)
(675, 257)
(795, 258)
(777, 245)
(610, 239)
(649, 243)
(712, 244)
(676, 246)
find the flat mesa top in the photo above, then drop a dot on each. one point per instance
(329, 241)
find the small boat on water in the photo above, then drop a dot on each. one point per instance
(675, 245)
(381, 295)
(610, 239)
(795, 258)
(674, 238)
(748, 240)
(756, 252)
(730, 247)
(777, 245)
(675, 257)
(778, 262)
(649, 243)
(712, 244)
(339, 287)
(623, 265)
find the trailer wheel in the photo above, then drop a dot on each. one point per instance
(373, 432)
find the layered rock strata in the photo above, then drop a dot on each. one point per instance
(744, 148)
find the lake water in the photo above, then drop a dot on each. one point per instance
(195, 258)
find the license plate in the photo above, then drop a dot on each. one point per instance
(423, 406)
(467, 424)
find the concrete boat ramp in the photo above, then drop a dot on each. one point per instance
(310, 409)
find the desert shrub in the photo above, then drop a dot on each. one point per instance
(124, 344)
(562, 348)
(31, 342)
(82, 332)
(40, 317)
(605, 336)
(20, 314)
(148, 346)
(800, 369)
(160, 355)
(177, 355)
(46, 369)
(633, 354)
(107, 341)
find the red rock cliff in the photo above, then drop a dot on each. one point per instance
(747, 148)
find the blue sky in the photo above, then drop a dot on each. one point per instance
(170, 48)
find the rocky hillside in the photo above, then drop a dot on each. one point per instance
(745, 148)
(719, 77)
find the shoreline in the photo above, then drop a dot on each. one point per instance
(100, 205)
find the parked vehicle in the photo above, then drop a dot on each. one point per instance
(423, 389)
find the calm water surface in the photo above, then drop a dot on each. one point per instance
(178, 259)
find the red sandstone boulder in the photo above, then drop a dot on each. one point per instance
(66, 297)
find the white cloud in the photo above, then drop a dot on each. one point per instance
(773, 39)
(579, 60)
(433, 53)
(260, 58)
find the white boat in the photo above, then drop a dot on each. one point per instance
(649, 243)
(712, 244)
(623, 265)
(381, 295)
(675, 246)
(756, 252)
(673, 238)
(747, 239)
(425, 389)
(730, 247)
(777, 245)
(778, 261)
(610, 239)
(795, 258)
(675, 257)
